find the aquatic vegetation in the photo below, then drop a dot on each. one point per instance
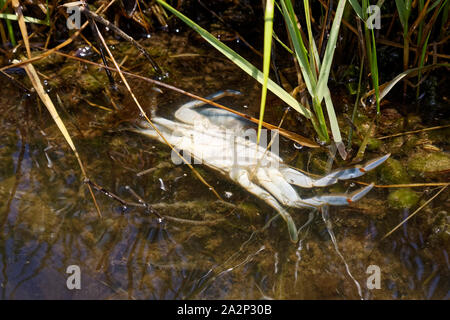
(429, 163)
(403, 198)
(394, 172)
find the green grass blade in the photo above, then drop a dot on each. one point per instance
(306, 66)
(420, 31)
(282, 44)
(355, 107)
(404, 9)
(322, 129)
(10, 16)
(312, 56)
(329, 51)
(11, 33)
(299, 47)
(432, 6)
(421, 63)
(419, 40)
(313, 53)
(357, 7)
(316, 55)
(334, 125)
(240, 62)
(9, 26)
(374, 69)
(47, 14)
(393, 82)
(268, 31)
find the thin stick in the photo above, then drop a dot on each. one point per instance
(142, 201)
(98, 106)
(14, 81)
(405, 185)
(112, 195)
(397, 45)
(143, 204)
(96, 37)
(194, 222)
(414, 131)
(412, 214)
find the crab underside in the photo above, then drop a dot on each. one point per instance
(218, 139)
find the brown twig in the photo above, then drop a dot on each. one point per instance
(414, 131)
(414, 213)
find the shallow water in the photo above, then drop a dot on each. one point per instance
(48, 221)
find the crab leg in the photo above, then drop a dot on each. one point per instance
(241, 176)
(274, 182)
(295, 177)
(334, 199)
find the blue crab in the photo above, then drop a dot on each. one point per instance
(216, 138)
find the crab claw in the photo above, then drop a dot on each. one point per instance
(296, 177)
(346, 199)
(336, 199)
(360, 170)
(229, 92)
(358, 194)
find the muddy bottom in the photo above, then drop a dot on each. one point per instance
(210, 248)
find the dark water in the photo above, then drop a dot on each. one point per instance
(48, 221)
